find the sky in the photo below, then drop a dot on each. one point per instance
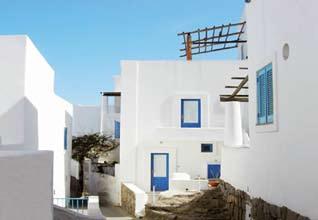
(84, 40)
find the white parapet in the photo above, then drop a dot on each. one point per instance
(26, 185)
(140, 196)
(233, 124)
(182, 182)
(93, 209)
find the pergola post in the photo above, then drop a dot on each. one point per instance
(189, 47)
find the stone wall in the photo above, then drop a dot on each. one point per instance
(262, 210)
(236, 201)
(223, 202)
(128, 200)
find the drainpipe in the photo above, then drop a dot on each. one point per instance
(233, 124)
(104, 108)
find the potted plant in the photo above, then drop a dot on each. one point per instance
(215, 180)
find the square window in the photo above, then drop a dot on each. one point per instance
(190, 113)
(206, 148)
(265, 103)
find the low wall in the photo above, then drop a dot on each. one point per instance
(106, 186)
(133, 199)
(185, 185)
(75, 168)
(65, 214)
(223, 202)
(93, 209)
(26, 185)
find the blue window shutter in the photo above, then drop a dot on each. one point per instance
(65, 138)
(261, 96)
(117, 129)
(258, 86)
(265, 103)
(269, 93)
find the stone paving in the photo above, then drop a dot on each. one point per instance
(114, 213)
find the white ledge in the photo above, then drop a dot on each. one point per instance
(243, 146)
(194, 134)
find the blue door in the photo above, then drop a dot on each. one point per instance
(159, 171)
(214, 171)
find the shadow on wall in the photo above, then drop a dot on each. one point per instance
(19, 127)
(218, 110)
(167, 112)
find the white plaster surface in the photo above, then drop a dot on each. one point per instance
(281, 164)
(26, 185)
(151, 109)
(140, 196)
(32, 116)
(86, 120)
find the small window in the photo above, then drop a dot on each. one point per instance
(265, 104)
(117, 129)
(65, 138)
(190, 113)
(206, 148)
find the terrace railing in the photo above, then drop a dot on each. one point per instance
(78, 205)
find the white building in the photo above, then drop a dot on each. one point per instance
(172, 120)
(280, 163)
(32, 116)
(86, 120)
(103, 118)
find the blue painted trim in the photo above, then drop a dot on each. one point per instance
(191, 125)
(161, 183)
(265, 103)
(65, 138)
(117, 129)
(214, 171)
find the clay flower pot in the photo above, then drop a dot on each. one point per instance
(214, 182)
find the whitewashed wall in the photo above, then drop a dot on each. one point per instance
(86, 120)
(32, 116)
(150, 116)
(12, 56)
(280, 165)
(26, 185)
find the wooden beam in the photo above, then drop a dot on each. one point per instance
(237, 90)
(243, 99)
(213, 28)
(111, 93)
(214, 37)
(239, 78)
(213, 50)
(234, 87)
(189, 47)
(235, 96)
(220, 42)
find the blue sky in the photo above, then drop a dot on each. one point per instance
(84, 40)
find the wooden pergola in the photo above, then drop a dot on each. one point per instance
(110, 93)
(235, 96)
(212, 39)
